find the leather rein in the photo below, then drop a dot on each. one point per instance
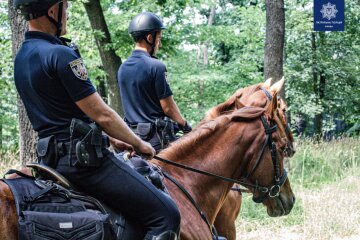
(279, 180)
(271, 192)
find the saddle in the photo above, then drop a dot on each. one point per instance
(52, 190)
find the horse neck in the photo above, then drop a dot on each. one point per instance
(218, 153)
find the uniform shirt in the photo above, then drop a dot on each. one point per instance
(142, 83)
(50, 77)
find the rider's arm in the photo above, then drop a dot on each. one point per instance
(95, 108)
(171, 110)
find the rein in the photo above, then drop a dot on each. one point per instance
(271, 192)
(261, 189)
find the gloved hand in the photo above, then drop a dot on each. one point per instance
(187, 128)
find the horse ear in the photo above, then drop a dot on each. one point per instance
(273, 106)
(276, 88)
(267, 83)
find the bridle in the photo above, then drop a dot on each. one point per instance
(279, 180)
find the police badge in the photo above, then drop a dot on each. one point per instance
(79, 69)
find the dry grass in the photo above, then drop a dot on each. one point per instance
(325, 178)
(331, 212)
(9, 160)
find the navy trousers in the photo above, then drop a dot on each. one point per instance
(123, 189)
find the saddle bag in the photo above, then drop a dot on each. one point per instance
(54, 212)
(145, 131)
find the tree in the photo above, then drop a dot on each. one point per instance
(274, 43)
(110, 60)
(27, 135)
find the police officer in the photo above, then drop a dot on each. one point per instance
(53, 83)
(145, 93)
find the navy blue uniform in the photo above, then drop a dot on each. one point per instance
(142, 83)
(50, 77)
(47, 85)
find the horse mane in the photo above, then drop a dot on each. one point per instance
(230, 105)
(207, 128)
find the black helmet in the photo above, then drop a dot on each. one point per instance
(32, 9)
(144, 23)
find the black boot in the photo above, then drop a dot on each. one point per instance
(168, 235)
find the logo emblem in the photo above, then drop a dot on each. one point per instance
(79, 69)
(329, 11)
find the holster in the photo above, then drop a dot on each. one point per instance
(47, 151)
(165, 128)
(88, 147)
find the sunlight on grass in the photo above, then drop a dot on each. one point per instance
(325, 178)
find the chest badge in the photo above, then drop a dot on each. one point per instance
(79, 69)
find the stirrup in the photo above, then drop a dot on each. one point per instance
(168, 235)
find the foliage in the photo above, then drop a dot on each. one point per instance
(8, 107)
(336, 57)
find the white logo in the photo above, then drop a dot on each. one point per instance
(329, 11)
(65, 225)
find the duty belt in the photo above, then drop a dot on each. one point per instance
(64, 147)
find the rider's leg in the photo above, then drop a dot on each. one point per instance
(125, 190)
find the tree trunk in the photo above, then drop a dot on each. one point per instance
(211, 20)
(274, 42)
(28, 136)
(110, 61)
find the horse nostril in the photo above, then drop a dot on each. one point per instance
(293, 200)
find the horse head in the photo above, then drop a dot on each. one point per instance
(266, 96)
(247, 97)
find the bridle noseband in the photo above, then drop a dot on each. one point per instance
(279, 180)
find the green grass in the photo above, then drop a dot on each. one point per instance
(325, 178)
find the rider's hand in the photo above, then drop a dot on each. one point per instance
(145, 150)
(120, 145)
(186, 128)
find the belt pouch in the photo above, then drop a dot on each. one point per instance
(145, 130)
(47, 152)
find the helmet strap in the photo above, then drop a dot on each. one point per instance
(58, 23)
(153, 34)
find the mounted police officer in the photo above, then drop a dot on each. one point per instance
(150, 109)
(69, 116)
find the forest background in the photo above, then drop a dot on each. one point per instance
(212, 48)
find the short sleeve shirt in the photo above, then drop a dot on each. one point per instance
(50, 77)
(143, 82)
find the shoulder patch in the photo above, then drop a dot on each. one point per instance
(79, 69)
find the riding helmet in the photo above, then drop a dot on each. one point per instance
(145, 23)
(32, 9)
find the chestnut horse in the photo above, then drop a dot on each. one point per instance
(231, 145)
(225, 220)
